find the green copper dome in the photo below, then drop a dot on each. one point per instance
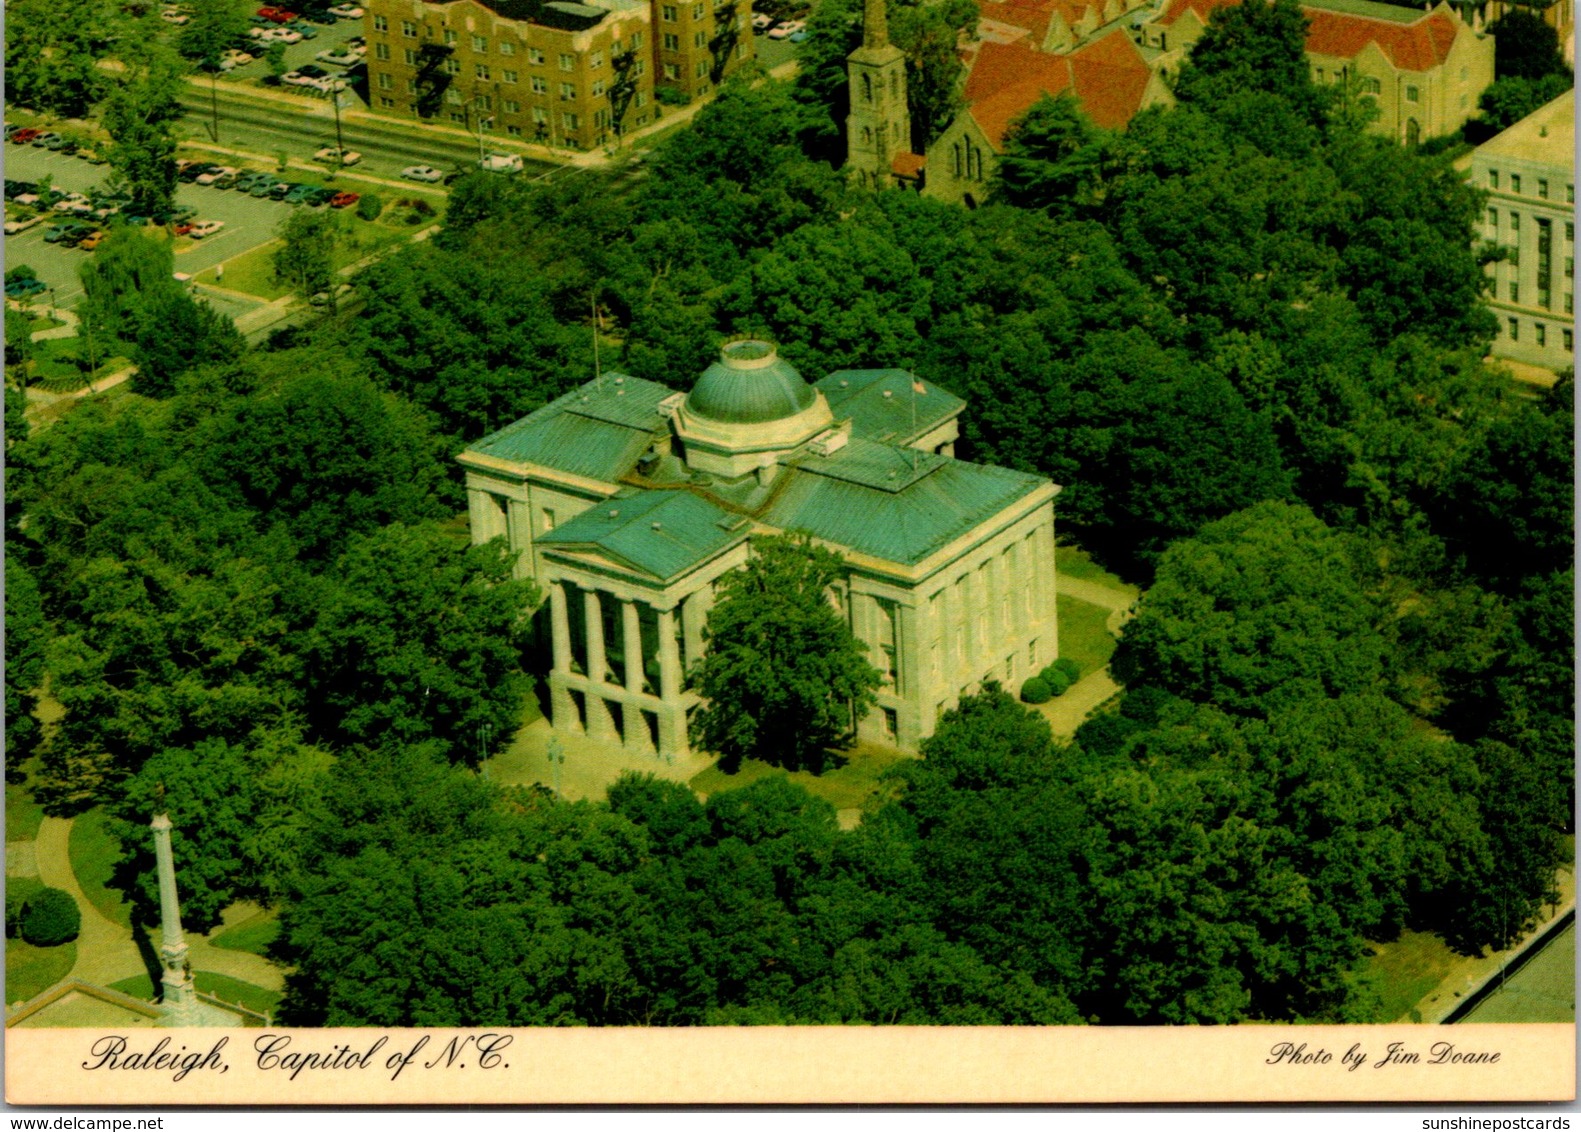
(750, 383)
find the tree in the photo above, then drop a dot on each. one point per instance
(274, 60)
(1263, 607)
(52, 53)
(1051, 158)
(1509, 100)
(1249, 48)
(50, 918)
(138, 114)
(209, 30)
(1525, 47)
(783, 675)
(306, 260)
(419, 639)
(18, 340)
(26, 635)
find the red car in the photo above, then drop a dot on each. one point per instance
(344, 200)
(182, 229)
(276, 15)
(22, 137)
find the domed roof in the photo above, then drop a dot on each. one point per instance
(749, 383)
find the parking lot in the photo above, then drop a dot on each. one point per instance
(249, 222)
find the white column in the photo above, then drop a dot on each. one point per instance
(180, 996)
(561, 705)
(518, 532)
(669, 658)
(599, 723)
(692, 628)
(635, 729)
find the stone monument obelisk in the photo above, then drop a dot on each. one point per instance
(181, 997)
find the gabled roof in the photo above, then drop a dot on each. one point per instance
(1341, 29)
(659, 533)
(926, 506)
(883, 405)
(1032, 16)
(598, 430)
(1108, 76)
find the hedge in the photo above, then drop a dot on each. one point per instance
(1035, 691)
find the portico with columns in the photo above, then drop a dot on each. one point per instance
(627, 502)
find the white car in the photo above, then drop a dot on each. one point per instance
(234, 58)
(205, 228)
(347, 11)
(327, 86)
(259, 33)
(284, 35)
(422, 173)
(762, 21)
(71, 202)
(341, 58)
(786, 30)
(222, 171)
(501, 163)
(330, 153)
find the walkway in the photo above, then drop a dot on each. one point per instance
(1068, 712)
(588, 766)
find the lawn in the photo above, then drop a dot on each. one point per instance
(252, 273)
(1405, 971)
(845, 787)
(222, 987)
(1074, 562)
(29, 970)
(55, 363)
(94, 854)
(1084, 633)
(43, 322)
(254, 934)
(22, 815)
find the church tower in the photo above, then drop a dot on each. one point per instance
(879, 126)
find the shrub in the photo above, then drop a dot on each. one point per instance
(670, 96)
(369, 206)
(1069, 667)
(1035, 691)
(1055, 680)
(50, 918)
(20, 271)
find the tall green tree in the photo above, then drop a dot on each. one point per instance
(1525, 46)
(138, 114)
(209, 30)
(305, 260)
(784, 676)
(52, 53)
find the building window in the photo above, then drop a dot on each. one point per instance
(456, 117)
(672, 72)
(1515, 292)
(567, 62)
(411, 86)
(699, 38)
(1570, 341)
(636, 42)
(1412, 94)
(507, 47)
(386, 80)
(1493, 217)
(381, 23)
(539, 85)
(598, 87)
(640, 101)
(514, 131)
(409, 56)
(535, 56)
(409, 29)
(450, 38)
(1570, 302)
(1515, 330)
(1370, 85)
(1570, 194)
(1542, 334)
(668, 14)
(540, 115)
(381, 50)
(1515, 183)
(480, 45)
(702, 69)
(595, 60)
(569, 120)
(1515, 222)
(509, 76)
(386, 101)
(1493, 178)
(453, 96)
(1542, 188)
(672, 42)
(567, 92)
(481, 71)
(484, 102)
(548, 520)
(697, 11)
(452, 66)
(512, 106)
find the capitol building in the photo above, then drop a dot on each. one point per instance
(627, 501)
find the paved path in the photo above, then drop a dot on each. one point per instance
(589, 767)
(1066, 713)
(68, 329)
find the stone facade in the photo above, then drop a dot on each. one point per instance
(1528, 175)
(627, 502)
(698, 43)
(878, 129)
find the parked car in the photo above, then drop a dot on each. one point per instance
(263, 185)
(297, 194)
(197, 169)
(422, 173)
(762, 21)
(276, 15)
(181, 229)
(205, 228)
(14, 189)
(24, 288)
(331, 153)
(208, 177)
(92, 240)
(305, 30)
(247, 180)
(58, 143)
(344, 200)
(226, 180)
(281, 189)
(798, 36)
(326, 86)
(71, 201)
(338, 57)
(45, 138)
(234, 58)
(12, 227)
(501, 163)
(788, 29)
(25, 135)
(283, 35)
(347, 12)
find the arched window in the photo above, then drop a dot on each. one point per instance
(867, 87)
(867, 135)
(957, 163)
(894, 84)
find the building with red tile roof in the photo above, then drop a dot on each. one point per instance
(1425, 70)
(1110, 76)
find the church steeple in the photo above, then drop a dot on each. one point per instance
(879, 125)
